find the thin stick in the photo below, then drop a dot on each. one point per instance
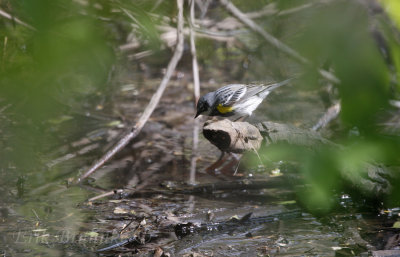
(153, 102)
(37, 216)
(296, 9)
(271, 39)
(196, 79)
(126, 226)
(10, 17)
(117, 191)
(196, 91)
(331, 114)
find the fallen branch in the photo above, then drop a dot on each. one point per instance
(236, 137)
(153, 102)
(370, 179)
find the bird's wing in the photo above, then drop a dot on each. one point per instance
(230, 94)
(255, 89)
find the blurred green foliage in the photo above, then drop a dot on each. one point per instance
(357, 44)
(349, 46)
(61, 60)
(393, 9)
(56, 63)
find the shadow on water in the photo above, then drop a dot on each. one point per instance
(41, 214)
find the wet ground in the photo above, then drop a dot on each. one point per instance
(149, 202)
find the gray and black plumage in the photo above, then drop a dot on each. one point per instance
(235, 100)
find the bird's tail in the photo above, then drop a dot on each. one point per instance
(269, 88)
(279, 84)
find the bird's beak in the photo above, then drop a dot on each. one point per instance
(197, 114)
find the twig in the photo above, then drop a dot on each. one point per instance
(35, 213)
(114, 192)
(329, 76)
(271, 39)
(269, 9)
(10, 17)
(219, 34)
(296, 9)
(196, 91)
(201, 32)
(328, 116)
(153, 102)
(126, 226)
(140, 55)
(129, 46)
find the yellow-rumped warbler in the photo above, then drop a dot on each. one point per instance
(237, 100)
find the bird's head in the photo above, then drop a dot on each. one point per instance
(204, 104)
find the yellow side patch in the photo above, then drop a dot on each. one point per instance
(224, 109)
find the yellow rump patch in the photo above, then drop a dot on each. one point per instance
(224, 109)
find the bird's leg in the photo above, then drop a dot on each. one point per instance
(218, 163)
(231, 167)
(238, 158)
(226, 164)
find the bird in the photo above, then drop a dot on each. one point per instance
(235, 101)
